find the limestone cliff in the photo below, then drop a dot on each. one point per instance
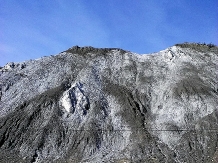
(110, 105)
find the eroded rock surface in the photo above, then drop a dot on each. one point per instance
(110, 105)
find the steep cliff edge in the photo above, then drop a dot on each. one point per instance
(110, 105)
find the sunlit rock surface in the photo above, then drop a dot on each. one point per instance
(110, 105)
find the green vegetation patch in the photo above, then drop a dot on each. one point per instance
(89, 49)
(201, 47)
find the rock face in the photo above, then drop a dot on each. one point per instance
(110, 105)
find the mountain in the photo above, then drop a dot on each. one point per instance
(110, 105)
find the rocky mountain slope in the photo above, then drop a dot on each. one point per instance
(110, 105)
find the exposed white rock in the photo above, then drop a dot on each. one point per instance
(110, 105)
(74, 99)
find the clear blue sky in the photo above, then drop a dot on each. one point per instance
(31, 29)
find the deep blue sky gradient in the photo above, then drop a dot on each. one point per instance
(31, 29)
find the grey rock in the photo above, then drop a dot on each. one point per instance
(109, 105)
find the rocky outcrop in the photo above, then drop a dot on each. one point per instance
(110, 105)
